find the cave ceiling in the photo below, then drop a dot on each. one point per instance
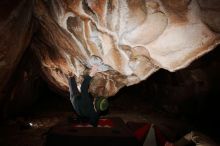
(129, 39)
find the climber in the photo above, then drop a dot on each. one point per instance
(87, 107)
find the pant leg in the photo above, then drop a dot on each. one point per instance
(74, 92)
(73, 87)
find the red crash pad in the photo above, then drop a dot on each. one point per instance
(109, 132)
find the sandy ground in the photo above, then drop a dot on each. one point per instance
(32, 130)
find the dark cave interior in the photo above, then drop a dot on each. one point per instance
(40, 46)
(176, 102)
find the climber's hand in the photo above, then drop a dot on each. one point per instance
(93, 70)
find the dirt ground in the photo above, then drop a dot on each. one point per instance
(30, 128)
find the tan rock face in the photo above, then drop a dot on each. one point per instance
(133, 39)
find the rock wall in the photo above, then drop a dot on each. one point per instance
(16, 28)
(132, 38)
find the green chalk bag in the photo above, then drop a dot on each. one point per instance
(101, 104)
